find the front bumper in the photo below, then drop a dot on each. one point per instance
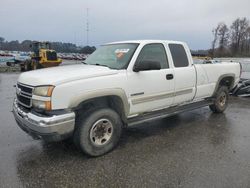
(52, 128)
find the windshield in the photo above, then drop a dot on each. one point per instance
(114, 56)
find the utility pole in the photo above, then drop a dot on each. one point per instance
(87, 26)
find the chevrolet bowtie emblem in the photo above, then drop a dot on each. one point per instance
(18, 91)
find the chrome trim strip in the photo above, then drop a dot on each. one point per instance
(28, 97)
(24, 104)
(31, 87)
(136, 94)
(25, 94)
(183, 92)
(138, 100)
(149, 98)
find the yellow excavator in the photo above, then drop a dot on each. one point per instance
(42, 56)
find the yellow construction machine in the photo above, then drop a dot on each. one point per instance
(42, 56)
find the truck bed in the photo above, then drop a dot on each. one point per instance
(209, 74)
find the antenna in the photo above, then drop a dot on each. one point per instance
(87, 26)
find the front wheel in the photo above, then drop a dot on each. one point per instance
(34, 65)
(98, 131)
(221, 100)
(27, 66)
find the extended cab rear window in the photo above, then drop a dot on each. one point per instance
(179, 55)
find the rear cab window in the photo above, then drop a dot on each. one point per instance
(179, 55)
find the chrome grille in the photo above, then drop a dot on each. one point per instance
(24, 95)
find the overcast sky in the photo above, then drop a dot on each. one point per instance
(111, 20)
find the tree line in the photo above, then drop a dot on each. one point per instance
(233, 40)
(24, 46)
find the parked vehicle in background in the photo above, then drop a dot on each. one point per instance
(8, 60)
(206, 61)
(243, 88)
(245, 70)
(13, 58)
(121, 84)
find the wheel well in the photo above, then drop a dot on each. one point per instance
(227, 81)
(113, 102)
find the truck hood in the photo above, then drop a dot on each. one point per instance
(63, 74)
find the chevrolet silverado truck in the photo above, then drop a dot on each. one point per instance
(121, 84)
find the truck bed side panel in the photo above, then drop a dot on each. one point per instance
(209, 75)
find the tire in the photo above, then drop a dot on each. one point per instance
(34, 65)
(97, 131)
(221, 100)
(27, 66)
(8, 64)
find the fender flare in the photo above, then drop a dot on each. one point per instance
(222, 77)
(77, 100)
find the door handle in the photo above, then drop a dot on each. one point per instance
(169, 76)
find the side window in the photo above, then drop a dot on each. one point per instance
(179, 55)
(154, 52)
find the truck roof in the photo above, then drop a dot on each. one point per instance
(147, 41)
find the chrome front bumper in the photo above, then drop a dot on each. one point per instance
(53, 128)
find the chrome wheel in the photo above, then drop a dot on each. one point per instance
(101, 132)
(222, 99)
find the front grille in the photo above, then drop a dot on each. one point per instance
(51, 56)
(25, 88)
(24, 95)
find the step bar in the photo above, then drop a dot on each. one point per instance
(159, 114)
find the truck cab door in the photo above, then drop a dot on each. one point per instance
(185, 73)
(151, 89)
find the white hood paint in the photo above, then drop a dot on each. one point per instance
(58, 75)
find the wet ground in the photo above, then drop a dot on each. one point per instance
(16, 68)
(194, 149)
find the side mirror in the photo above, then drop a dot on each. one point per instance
(146, 65)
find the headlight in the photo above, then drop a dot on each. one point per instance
(45, 91)
(43, 105)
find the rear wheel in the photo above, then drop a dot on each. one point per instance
(221, 100)
(98, 131)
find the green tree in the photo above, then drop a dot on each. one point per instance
(238, 33)
(1, 42)
(88, 50)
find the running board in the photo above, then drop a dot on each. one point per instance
(159, 114)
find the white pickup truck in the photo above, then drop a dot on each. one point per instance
(120, 84)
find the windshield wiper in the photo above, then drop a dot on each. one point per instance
(101, 65)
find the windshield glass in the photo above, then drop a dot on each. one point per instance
(114, 56)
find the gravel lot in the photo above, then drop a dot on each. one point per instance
(193, 149)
